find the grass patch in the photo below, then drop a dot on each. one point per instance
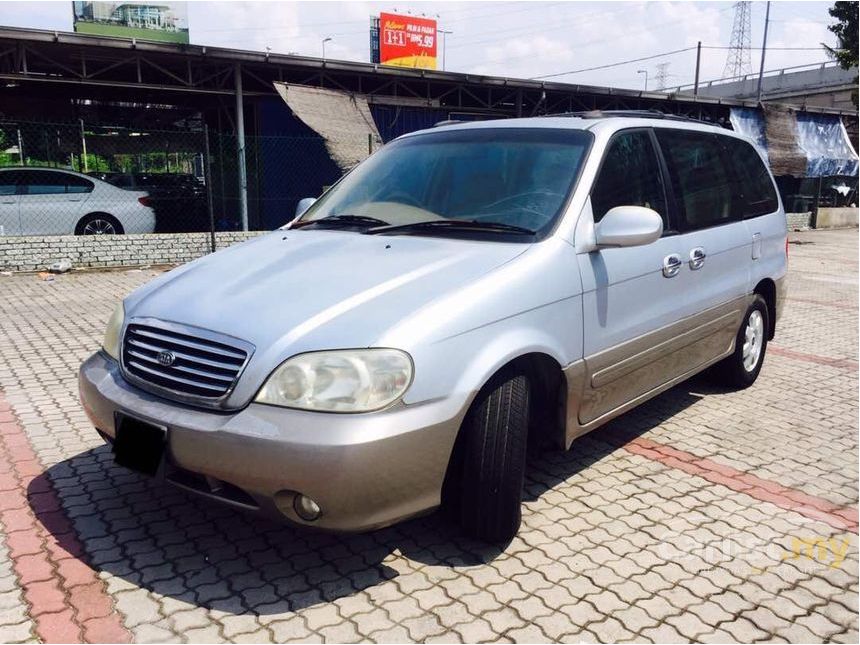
(101, 29)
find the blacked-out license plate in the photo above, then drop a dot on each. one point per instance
(139, 445)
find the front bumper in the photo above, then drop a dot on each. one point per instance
(364, 470)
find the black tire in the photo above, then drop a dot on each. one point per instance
(731, 371)
(98, 220)
(484, 486)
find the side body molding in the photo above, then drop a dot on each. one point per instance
(602, 386)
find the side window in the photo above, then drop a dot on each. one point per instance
(41, 182)
(755, 194)
(629, 176)
(78, 185)
(8, 182)
(701, 181)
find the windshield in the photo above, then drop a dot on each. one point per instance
(511, 176)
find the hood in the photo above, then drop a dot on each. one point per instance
(294, 291)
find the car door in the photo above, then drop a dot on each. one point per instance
(45, 206)
(714, 241)
(643, 320)
(10, 223)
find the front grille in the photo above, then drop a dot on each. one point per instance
(190, 366)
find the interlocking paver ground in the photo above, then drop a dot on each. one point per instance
(703, 515)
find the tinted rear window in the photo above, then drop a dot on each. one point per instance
(701, 180)
(755, 194)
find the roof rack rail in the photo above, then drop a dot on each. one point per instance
(442, 124)
(639, 114)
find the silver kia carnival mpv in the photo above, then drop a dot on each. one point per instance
(466, 291)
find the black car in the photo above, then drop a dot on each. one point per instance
(179, 199)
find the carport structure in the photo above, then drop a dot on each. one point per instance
(63, 77)
(31, 61)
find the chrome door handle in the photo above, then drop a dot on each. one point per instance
(697, 258)
(672, 265)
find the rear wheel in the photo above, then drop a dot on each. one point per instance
(99, 224)
(484, 486)
(742, 368)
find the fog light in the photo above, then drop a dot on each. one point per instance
(306, 508)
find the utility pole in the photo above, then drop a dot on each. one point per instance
(763, 50)
(698, 67)
(445, 33)
(739, 59)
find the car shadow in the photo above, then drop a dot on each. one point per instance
(159, 538)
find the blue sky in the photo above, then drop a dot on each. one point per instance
(516, 39)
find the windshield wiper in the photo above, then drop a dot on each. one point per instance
(345, 220)
(455, 225)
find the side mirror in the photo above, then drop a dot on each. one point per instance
(628, 226)
(304, 205)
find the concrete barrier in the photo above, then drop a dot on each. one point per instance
(837, 217)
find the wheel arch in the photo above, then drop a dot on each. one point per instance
(79, 227)
(548, 398)
(548, 393)
(766, 288)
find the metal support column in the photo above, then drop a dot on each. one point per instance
(207, 168)
(240, 148)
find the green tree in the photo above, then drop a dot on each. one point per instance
(846, 14)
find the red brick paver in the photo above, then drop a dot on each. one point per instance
(63, 593)
(815, 508)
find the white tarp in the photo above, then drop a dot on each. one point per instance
(343, 120)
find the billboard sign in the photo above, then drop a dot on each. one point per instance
(163, 21)
(407, 41)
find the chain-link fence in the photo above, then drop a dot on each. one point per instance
(79, 178)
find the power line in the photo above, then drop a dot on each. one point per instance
(618, 64)
(660, 55)
(582, 45)
(791, 49)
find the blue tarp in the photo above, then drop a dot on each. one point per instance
(821, 137)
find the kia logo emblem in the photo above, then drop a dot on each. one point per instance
(166, 358)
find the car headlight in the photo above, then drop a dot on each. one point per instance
(113, 331)
(354, 380)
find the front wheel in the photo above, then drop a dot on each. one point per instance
(742, 368)
(485, 483)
